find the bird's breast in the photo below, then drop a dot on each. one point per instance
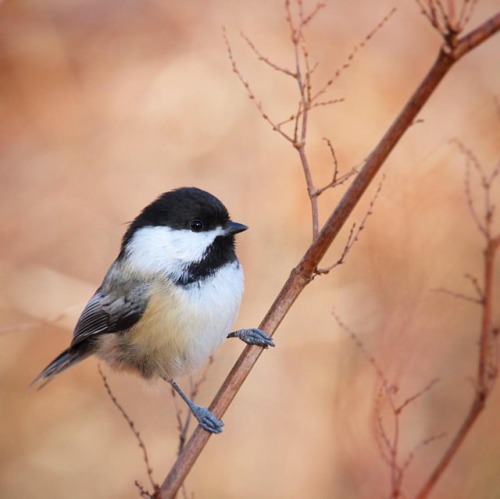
(182, 325)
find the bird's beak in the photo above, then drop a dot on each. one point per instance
(234, 228)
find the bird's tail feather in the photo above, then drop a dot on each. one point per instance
(67, 359)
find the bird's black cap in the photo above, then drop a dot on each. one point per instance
(178, 209)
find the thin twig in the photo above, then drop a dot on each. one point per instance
(140, 441)
(275, 126)
(336, 180)
(460, 296)
(354, 234)
(416, 396)
(424, 443)
(472, 163)
(388, 442)
(473, 280)
(361, 347)
(351, 56)
(265, 59)
(381, 437)
(445, 20)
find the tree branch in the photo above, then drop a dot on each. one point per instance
(303, 273)
(485, 376)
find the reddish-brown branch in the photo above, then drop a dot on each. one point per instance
(303, 273)
(486, 325)
(485, 375)
(487, 362)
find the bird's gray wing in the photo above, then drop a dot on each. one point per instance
(111, 312)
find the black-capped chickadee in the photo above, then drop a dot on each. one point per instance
(170, 297)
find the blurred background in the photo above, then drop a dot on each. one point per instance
(104, 105)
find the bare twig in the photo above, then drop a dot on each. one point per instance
(479, 299)
(387, 440)
(140, 441)
(416, 396)
(303, 273)
(275, 126)
(424, 443)
(460, 296)
(473, 280)
(351, 56)
(336, 179)
(263, 58)
(472, 163)
(308, 100)
(444, 18)
(361, 347)
(354, 234)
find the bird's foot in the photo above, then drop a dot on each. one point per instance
(253, 337)
(206, 419)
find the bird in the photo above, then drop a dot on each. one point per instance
(169, 299)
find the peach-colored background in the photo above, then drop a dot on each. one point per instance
(104, 105)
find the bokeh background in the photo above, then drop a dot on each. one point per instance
(104, 105)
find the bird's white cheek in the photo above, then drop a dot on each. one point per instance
(162, 249)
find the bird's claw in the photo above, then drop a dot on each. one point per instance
(207, 420)
(253, 337)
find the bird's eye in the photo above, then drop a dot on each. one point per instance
(196, 225)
